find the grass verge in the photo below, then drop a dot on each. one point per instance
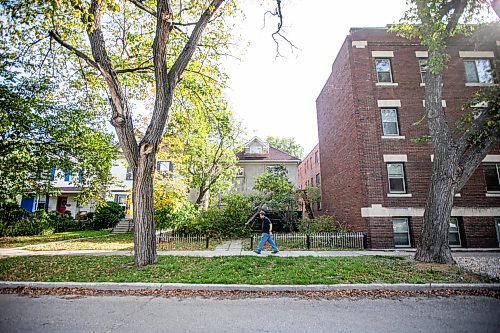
(121, 242)
(231, 270)
(9, 242)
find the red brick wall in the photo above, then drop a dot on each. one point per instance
(341, 185)
(354, 174)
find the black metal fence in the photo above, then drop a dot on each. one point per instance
(324, 240)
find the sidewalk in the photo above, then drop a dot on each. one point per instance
(234, 248)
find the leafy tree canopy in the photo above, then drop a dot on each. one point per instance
(288, 145)
(39, 133)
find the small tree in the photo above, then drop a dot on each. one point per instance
(309, 196)
(277, 193)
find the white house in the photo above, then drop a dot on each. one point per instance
(120, 192)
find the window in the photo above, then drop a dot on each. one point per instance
(383, 68)
(67, 175)
(121, 199)
(129, 175)
(492, 177)
(162, 166)
(316, 156)
(478, 71)
(401, 229)
(318, 180)
(454, 233)
(52, 174)
(396, 175)
(318, 204)
(390, 122)
(422, 63)
(240, 172)
(255, 150)
(312, 181)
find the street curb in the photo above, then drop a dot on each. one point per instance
(246, 287)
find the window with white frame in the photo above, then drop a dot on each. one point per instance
(240, 172)
(318, 204)
(318, 179)
(316, 156)
(390, 124)
(129, 175)
(422, 63)
(478, 71)
(383, 68)
(401, 229)
(255, 150)
(162, 166)
(492, 177)
(121, 199)
(454, 233)
(396, 176)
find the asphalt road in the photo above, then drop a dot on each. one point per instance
(154, 314)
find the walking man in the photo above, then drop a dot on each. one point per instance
(267, 232)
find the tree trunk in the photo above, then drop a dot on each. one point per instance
(433, 245)
(142, 196)
(309, 210)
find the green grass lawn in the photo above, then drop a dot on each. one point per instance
(8, 242)
(226, 270)
(120, 242)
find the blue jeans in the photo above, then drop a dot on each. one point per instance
(266, 237)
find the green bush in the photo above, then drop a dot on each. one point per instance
(181, 220)
(15, 221)
(106, 215)
(62, 223)
(323, 223)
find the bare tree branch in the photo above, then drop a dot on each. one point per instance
(136, 69)
(122, 118)
(53, 34)
(141, 5)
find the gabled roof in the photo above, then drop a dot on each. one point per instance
(274, 155)
(259, 140)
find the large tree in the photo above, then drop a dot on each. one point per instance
(39, 133)
(124, 50)
(456, 156)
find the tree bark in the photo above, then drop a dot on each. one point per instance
(144, 225)
(433, 245)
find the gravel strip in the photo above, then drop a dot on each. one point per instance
(489, 266)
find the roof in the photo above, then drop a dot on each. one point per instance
(274, 155)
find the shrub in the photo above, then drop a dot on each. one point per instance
(181, 218)
(106, 215)
(323, 223)
(62, 223)
(15, 221)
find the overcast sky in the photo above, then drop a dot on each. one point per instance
(276, 96)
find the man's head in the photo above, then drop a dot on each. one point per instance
(262, 214)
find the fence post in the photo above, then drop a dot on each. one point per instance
(251, 243)
(308, 242)
(206, 242)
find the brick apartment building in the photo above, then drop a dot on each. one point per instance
(309, 174)
(372, 175)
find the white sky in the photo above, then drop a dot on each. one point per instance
(277, 97)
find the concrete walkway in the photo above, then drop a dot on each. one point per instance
(234, 248)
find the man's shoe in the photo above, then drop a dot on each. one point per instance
(274, 252)
(258, 252)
